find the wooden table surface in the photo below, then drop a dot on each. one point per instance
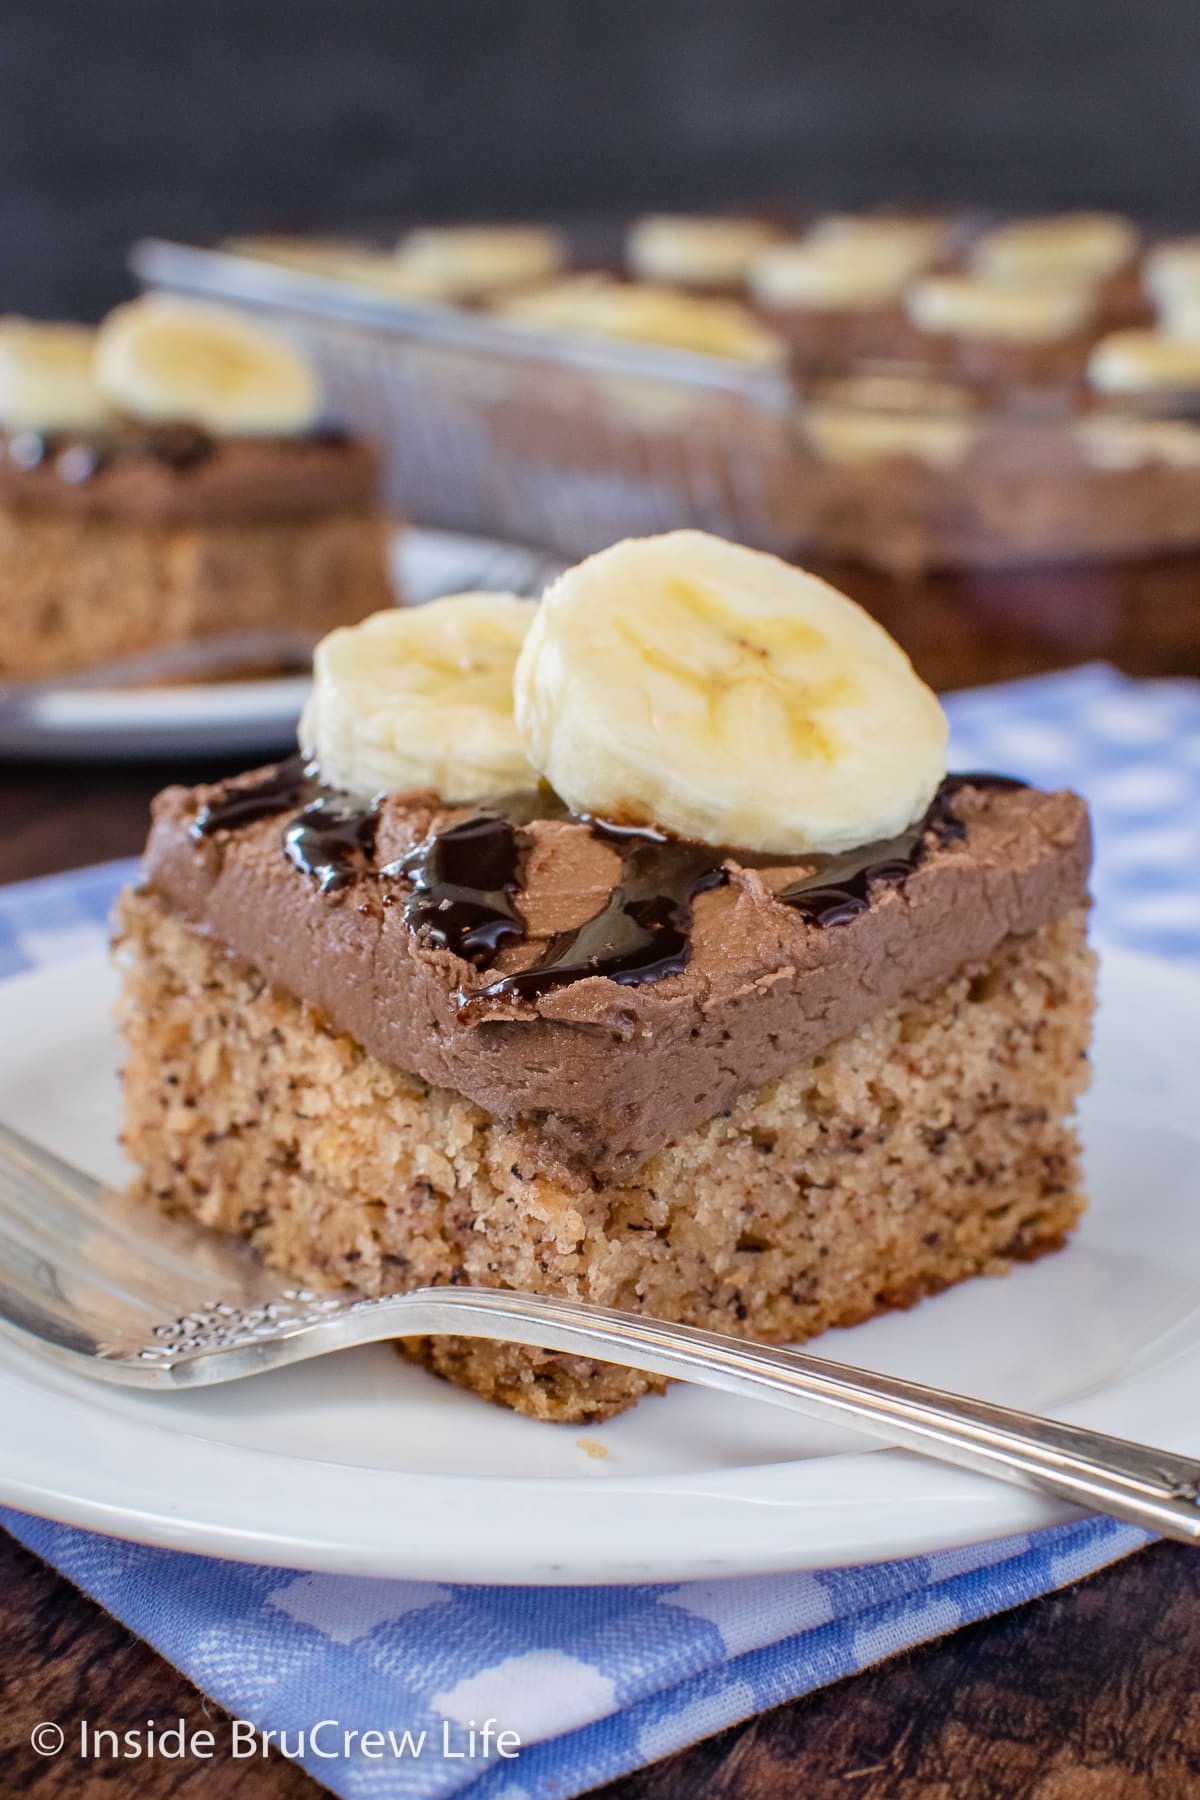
(1091, 1694)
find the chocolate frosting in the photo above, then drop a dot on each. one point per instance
(175, 475)
(610, 1072)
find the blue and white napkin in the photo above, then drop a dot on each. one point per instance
(598, 1681)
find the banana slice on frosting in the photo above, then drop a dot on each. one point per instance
(695, 251)
(595, 306)
(462, 262)
(1182, 319)
(1145, 362)
(1007, 312)
(835, 272)
(1119, 442)
(1171, 277)
(421, 697)
(163, 359)
(920, 237)
(718, 692)
(48, 379)
(862, 419)
(1075, 246)
(856, 437)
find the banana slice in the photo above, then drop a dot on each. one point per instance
(835, 272)
(421, 697)
(1033, 313)
(855, 436)
(1144, 362)
(1076, 246)
(595, 306)
(462, 262)
(1171, 277)
(694, 251)
(47, 378)
(1112, 441)
(860, 419)
(577, 303)
(160, 358)
(1182, 319)
(686, 682)
(920, 237)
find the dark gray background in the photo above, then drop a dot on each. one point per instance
(195, 117)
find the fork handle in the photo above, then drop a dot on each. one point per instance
(87, 1288)
(1157, 1490)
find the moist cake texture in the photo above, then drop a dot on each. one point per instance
(805, 1092)
(123, 541)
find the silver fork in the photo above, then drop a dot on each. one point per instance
(115, 1291)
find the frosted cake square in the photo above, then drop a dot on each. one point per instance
(514, 1039)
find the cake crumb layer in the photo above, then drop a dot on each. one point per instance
(932, 1142)
(80, 590)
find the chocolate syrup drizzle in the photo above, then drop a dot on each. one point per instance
(242, 803)
(643, 933)
(465, 882)
(841, 886)
(331, 838)
(77, 456)
(465, 879)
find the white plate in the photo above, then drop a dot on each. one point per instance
(205, 718)
(365, 1465)
(252, 718)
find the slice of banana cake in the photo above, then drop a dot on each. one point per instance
(167, 478)
(638, 948)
